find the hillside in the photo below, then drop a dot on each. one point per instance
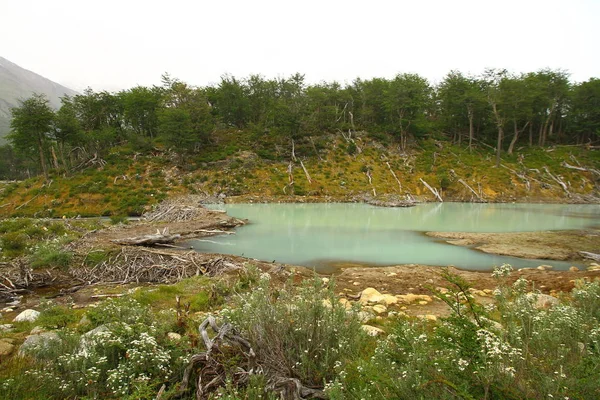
(127, 182)
(18, 83)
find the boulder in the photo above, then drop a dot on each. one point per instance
(545, 267)
(427, 317)
(593, 267)
(370, 295)
(6, 327)
(39, 341)
(543, 300)
(372, 330)
(573, 269)
(27, 316)
(6, 348)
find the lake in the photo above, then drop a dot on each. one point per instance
(324, 235)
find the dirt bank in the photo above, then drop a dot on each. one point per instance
(550, 245)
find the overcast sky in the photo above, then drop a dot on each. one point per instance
(115, 45)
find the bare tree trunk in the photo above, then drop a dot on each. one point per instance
(42, 158)
(499, 123)
(516, 137)
(531, 135)
(470, 112)
(432, 190)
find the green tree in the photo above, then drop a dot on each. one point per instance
(585, 111)
(31, 126)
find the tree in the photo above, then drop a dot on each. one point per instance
(31, 126)
(407, 101)
(585, 110)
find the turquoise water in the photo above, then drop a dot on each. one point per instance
(320, 235)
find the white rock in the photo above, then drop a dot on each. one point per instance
(543, 300)
(372, 330)
(6, 327)
(37, 330)
(27, 316)
(42, 340)
(364, 316)
(174, 336)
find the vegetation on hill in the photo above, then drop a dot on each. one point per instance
(273, 115)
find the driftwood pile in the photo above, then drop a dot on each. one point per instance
(209, 367)
(138, 264)
(17, 277)
(179, 209)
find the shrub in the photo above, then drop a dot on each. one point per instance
(14, 243)
(304, 332)
(49, 256)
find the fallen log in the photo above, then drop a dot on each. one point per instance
(148, 240)
(591, 256)
(432, 190)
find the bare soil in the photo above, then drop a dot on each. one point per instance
(550, 245)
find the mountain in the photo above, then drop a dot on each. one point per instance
(16, 84)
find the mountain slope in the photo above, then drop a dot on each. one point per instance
(18, 83)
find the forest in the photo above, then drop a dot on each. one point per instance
(495, 109)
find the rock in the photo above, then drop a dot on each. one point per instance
(37, 330)
(27, 316)
(427, 317)
(372, 330)
(6, 348)
(593, 267)
(488, 291)
(391, 274)
(344, 302)
(356, 283)
(388, 300)
(379, 308)
(7, 309)
(442, 290)
(411, 298)
(327, 304)
(325, 281)
(42, 340)
(84, 320)
(544, 267)
(370, 295)
(573, 269)
(543, 300)
(422, 303)
(176, 337)
(364, 316)
(6, 327)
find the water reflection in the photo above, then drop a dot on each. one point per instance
(317, 235)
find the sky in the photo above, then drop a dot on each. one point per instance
(114, 45)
